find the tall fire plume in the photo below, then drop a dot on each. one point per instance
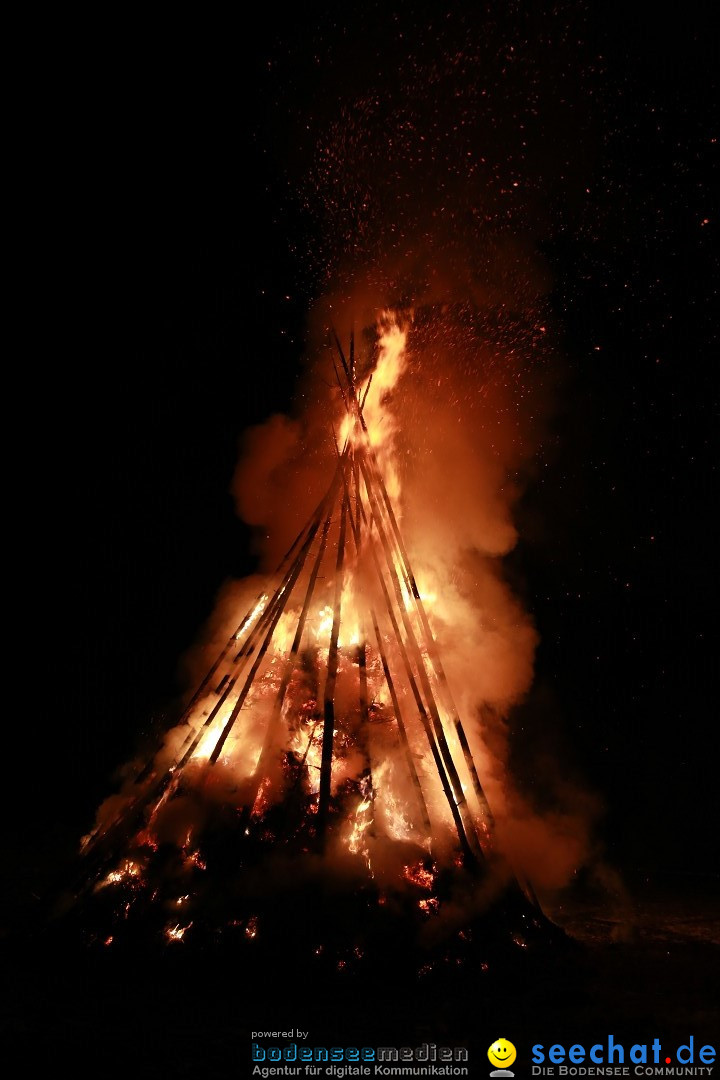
(353, 705)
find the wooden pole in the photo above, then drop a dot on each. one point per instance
(431, 643)
(364, 709)
(160, 786)
(265, 645)
(386, 669)
(147, 767)
(282, 602)
(199, 733)
(415, 593)
(329, 695)
(241, 626)
(274, 721)
(424, 719)
(459, 795)
(447, 789)
(402, 733)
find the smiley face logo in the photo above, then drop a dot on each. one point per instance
(502, 1053)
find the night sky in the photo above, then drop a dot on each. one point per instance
(171, 252)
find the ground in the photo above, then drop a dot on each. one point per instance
(647, 968)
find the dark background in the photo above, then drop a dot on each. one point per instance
(163, 250)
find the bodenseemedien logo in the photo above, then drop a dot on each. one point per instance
(502, 1054)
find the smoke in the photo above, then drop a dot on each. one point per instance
(431, 192)
(464, 422)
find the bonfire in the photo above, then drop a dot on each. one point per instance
(322, 761)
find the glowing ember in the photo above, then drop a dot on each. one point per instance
(146, 839)
(177, 932)
(261, 802)
(357, 840)
(195, 859)
(429, 906)
(419, 876)
(129, 873)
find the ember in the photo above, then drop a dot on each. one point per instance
(177, 932)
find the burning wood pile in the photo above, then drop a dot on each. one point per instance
(321, 764)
